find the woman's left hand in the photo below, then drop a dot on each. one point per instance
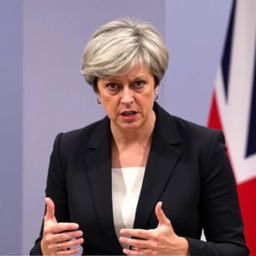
(159, 241)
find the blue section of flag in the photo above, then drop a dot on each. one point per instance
(225, 62)
(251, 143)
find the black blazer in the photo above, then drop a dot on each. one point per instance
(187, 169)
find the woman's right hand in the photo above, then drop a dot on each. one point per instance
(59, 238)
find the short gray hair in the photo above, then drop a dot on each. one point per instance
(119, 45)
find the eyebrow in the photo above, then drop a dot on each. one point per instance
(116, 78)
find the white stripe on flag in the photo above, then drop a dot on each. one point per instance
(235, 110)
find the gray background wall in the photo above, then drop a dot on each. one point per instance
(43, 93)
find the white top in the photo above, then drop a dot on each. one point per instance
(126, 186)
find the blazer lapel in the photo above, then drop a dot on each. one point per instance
(99, 174)
(163, 157)
(162, 160)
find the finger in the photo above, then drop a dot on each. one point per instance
(139, 233)
(72, 251)
(50, 210)
(162, 219)
(63, 237)
(68, 245)
(61, 227)
(132, 252)
(138, 243)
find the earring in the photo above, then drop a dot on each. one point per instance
(156, 95)
(98, 100)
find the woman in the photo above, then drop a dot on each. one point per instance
(140, 181)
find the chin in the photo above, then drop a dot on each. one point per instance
(130, 127)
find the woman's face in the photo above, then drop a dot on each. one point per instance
(128, 99)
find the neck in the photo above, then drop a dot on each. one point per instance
(141, 136)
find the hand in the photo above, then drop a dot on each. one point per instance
(59, 238)
(159, 241)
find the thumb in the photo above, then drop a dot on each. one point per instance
(161, 217)
(50, 210)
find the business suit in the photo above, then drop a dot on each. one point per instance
(187, 169)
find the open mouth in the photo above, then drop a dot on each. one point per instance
(128, 113)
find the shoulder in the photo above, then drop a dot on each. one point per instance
(81, 137)
(204, 142)
(187, 128)
(199, 144)
(184, 130)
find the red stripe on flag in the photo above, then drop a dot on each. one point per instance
(247, 198)
(214, 117)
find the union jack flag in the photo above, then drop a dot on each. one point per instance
(233, 108)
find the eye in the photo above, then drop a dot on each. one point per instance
(139, 84)
(112, 86)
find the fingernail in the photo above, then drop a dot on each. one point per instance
(75, 226)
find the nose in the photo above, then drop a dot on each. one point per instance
(127, 97)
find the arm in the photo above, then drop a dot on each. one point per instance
(54, 234)
(219, 206)
(219, 211)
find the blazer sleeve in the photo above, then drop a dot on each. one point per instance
(219, 206)
(56, 190)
